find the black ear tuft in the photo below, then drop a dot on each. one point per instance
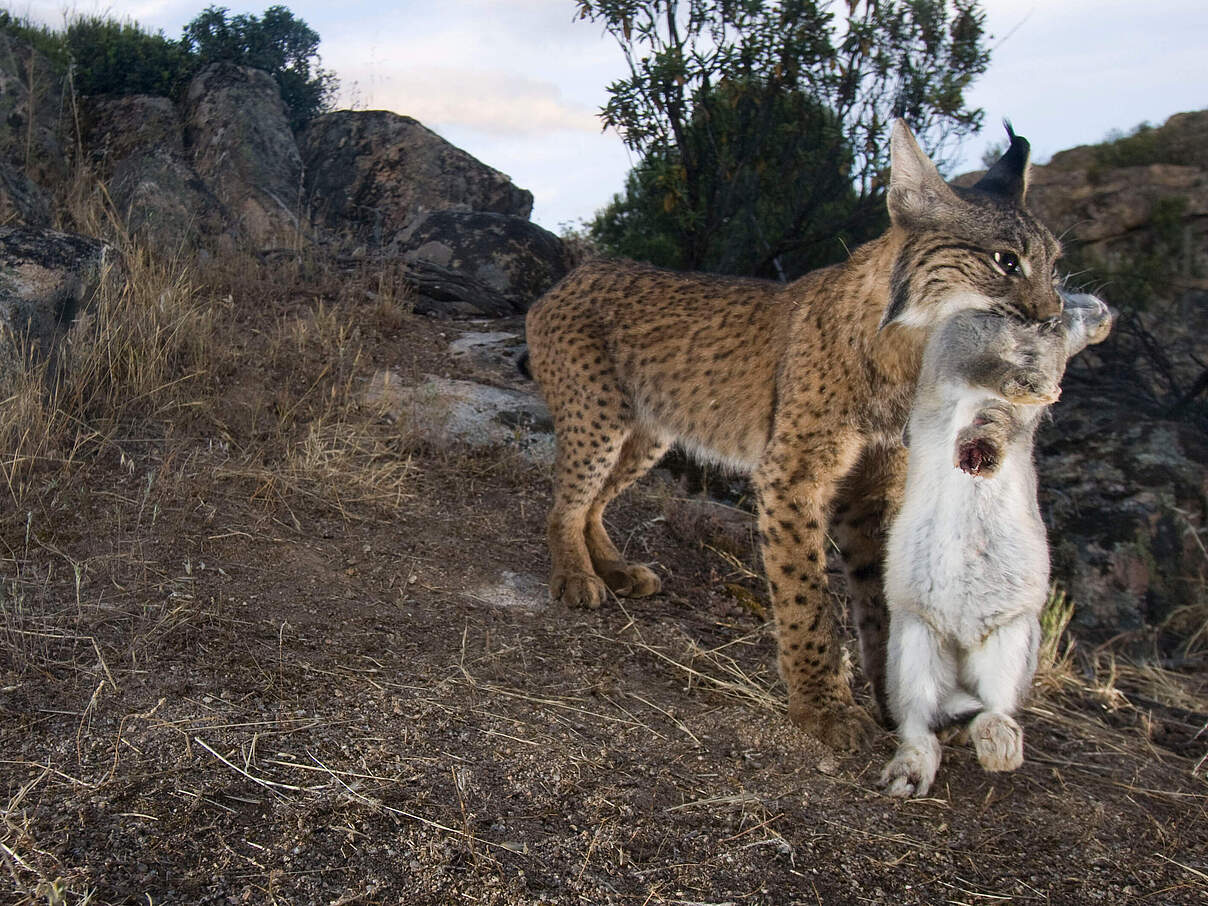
(1008, 178)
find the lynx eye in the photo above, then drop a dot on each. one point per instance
(1008, 263)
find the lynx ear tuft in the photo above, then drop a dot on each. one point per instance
(1008, 178)
(917, 192)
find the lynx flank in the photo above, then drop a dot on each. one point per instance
(967, 570)
(806, 386)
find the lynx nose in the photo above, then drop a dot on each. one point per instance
(1050, 306)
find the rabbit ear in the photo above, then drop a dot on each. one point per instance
(1008, 178)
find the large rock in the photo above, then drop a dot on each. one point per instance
(238, 134)
(1109, 212)
(1122, 467)
(442, 411)
(33, 115)
(481, 263)
(22, 201)
(45, 278)
(137, 143)
(369, 173)
(120, 127)
(1103, 208)
(1126, 500)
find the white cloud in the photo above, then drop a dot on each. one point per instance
(517, 83)
(494, 101)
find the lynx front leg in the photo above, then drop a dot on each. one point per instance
(794, 484)
(1000, 670)
(865, 505)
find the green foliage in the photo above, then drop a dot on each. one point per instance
(40, 37)
(1143, 145)
(763, 124)
(636, 224)
(276, 42)
(111, 57)
(746, 140)
(1151, 271)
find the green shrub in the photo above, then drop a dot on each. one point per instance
(41, 38)
(111, 57)
(1144, 145)
(120, 58)
(276, 42)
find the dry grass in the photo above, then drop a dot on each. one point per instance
(592, 751)
(1098, 693)
(143, 351)
(144, 381)
(718, 669)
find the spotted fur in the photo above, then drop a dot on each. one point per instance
(804, 385)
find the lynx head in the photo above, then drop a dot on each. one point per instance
(975, 248)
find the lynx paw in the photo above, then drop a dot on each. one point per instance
(632, 581)
(913, 768)
(578, 590)
(998, 740)
(1030, 388)
(844, 726)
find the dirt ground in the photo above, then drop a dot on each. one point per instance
(233, 674)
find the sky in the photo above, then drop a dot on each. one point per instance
(519, 83)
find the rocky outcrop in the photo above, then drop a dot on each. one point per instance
(45, 278)
(1111, 202)
(1134, 214)
(480, 264)
(137, 145)
(1126, 500)
(238, 135)
(369, 173)
(22, 201)
(33, 114)
(1123, 464)
(223, 168)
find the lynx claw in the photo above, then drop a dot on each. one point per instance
(578, 590)
(843, 726)
(634, 581)
(998, 740)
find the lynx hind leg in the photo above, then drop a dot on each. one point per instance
(1001, 669)
(866, 503)
(921, 677)
(640, 451)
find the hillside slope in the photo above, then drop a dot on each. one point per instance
(262, 643)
